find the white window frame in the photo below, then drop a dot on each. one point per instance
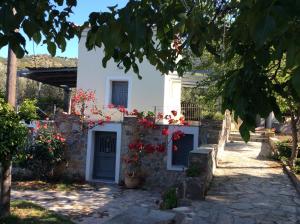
(193, 130)
(110, 127)
(108, 89)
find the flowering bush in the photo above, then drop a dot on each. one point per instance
(138, 149)
(84, 101)
(46, 152)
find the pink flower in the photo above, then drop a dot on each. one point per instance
(110, 106)
(149, 148)
(165, 131)
(160, 148)
(100, 122)
(108, 118)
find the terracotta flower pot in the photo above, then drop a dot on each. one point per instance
(132, 182)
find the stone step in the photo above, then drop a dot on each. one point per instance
(254, 137)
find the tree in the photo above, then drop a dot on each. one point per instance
(258, 33)
(12, 138)
(40, 21)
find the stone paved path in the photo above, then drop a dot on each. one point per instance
(248, 190)
(91, 206)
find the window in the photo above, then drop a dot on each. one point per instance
(184, 146)
(119, 93)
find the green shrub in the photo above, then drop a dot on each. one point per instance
(27, 110)
(170, 199)
(297, 166)
(284, 150)
(212, 115)
(193, 171)
(13, 133)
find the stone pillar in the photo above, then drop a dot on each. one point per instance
(202, 159)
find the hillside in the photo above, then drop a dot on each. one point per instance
(36, 61)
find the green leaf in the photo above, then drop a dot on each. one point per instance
(264, 29)
(59, 2)
(245, 132)
(51, 48)
(296, 81)
(29, 28)
(37, 37)
(72, 2)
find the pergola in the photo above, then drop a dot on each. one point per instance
(63, 77)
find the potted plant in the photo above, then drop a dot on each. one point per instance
(132, 159)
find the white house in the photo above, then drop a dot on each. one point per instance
(155, 92)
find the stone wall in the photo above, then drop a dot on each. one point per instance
(76, 139)
(154, 165)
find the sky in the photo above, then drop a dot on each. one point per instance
(81, 13)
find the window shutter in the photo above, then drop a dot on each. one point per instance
(119, 96)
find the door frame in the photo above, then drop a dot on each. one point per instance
(107, 127)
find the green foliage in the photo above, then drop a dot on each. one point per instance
(24, 212)
(193, 171)
(13, 133)
(45, 153)
(284, 150)
(256, 34)
(27, 110)
(41, 21)
(297, 166)
(170, 199)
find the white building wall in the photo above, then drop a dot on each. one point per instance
(154, 91)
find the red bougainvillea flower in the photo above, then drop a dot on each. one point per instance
(135, 112)
(160, 148)
(95, 110)
(131, 146)
(91, 124)
(122, 109)
(110, 106)
(149, 148)
(160, 116)
(38, 125)
(175, 148)
(177, 135)
(100, 122)
(165, 131)
(107, 118)
(135, 157)
(174, 112)
(45, 126)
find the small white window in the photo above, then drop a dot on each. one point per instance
(119, 93)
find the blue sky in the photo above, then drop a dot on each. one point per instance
(81, 13)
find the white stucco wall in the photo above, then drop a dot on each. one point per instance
(153, 91)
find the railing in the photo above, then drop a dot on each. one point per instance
(191, 112)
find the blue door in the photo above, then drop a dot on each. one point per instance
(105, 155)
